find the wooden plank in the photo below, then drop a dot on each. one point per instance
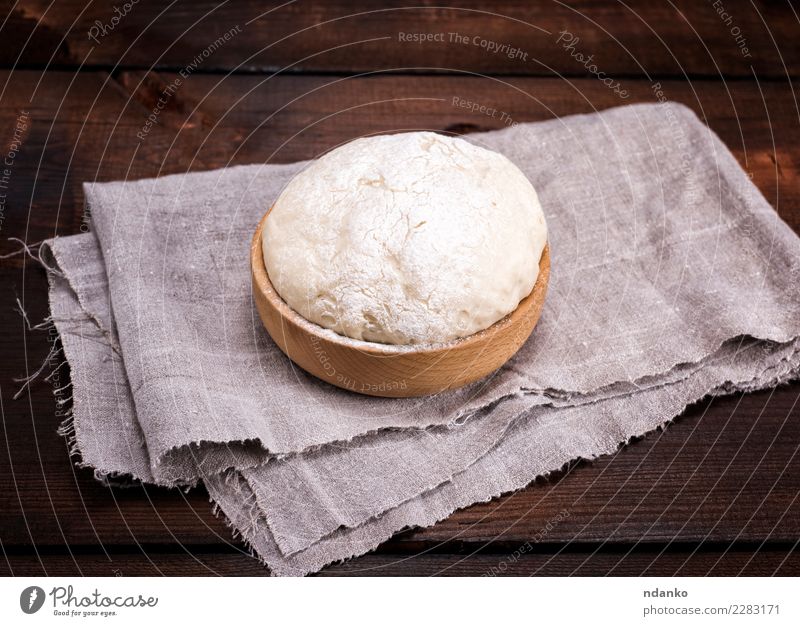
(727, 468)
(725, 471)
(653, 561)
(708, 477)
(683, 561)
(644, 39)
(85, 127)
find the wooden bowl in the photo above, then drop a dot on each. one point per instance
(392, 371)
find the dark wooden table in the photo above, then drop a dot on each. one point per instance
(715, 493)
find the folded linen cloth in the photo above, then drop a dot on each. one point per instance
(672, 278)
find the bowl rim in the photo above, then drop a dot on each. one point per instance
(289, 315)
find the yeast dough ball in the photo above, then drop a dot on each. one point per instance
(413, 238)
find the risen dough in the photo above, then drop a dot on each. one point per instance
(405, 239)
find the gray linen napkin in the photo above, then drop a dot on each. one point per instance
(672, 278)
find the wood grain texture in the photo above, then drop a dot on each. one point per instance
(377, 370)
(84, 127)
(680, 38)
(654, 561)
(726, 471)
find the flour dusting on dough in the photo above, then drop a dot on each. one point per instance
(414, 238)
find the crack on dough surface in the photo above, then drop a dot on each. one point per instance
(413, 238)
